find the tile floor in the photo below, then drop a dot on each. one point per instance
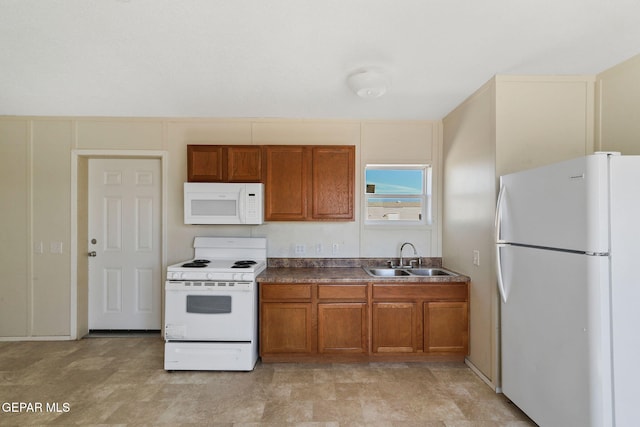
(121, 381)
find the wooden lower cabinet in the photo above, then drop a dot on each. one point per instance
(395, 327)
(342, 327)
(363, 322)
(286, 328)
(446, 327)
(286, 319)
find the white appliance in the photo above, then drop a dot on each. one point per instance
(223, 203)
(568, 244)
(211, 306)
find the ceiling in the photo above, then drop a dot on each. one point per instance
(290, 58)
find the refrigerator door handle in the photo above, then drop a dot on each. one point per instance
(501, 288)
(498, 219)
(500, 243)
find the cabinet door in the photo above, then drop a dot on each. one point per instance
(342, 328)
(244, 164)
(394, 327)
(205, 163)
(285, 328)
(286, 182)
(446, 327)
(332, 182)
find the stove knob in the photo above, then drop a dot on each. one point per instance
(209, 276)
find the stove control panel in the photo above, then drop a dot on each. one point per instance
(193, 275)
(212, 286)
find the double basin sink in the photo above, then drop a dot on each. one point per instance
(399, 272)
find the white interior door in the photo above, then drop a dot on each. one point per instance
(125, 278)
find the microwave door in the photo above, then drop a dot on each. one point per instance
(213, 208)
(223, 203)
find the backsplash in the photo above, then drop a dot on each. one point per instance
(345, 262)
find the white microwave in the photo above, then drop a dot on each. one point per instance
(223, 203)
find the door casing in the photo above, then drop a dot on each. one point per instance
(79, 318)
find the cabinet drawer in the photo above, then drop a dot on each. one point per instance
(444, 291)
(285, 291)
(342, 292)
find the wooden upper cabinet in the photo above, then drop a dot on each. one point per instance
(309, 183)
(204, 163)
(302, 183)
(332, 182)
(244, 164)
(224, 163)
(286, 182)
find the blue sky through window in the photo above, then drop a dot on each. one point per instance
(395, 181)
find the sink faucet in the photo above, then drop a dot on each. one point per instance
(415, 253)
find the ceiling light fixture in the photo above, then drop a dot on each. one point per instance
(369, 82)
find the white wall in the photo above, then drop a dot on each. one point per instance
(37, 298)
(35, 185)
(618, 108)
(375, 141)
(468, 198)
(511, 123)
(15, 234)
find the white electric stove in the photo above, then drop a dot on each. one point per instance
(211, 305)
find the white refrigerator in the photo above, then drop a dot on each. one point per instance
(568, 255)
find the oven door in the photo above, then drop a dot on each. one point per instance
(210, 314)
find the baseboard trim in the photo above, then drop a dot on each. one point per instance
(482, 376)
(38, 338)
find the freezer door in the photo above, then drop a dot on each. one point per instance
(554, 340)
(564, 205)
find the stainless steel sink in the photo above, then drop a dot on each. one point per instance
(395, 272)
(430, 272)
(385, 272)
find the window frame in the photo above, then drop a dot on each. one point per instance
(425, 197)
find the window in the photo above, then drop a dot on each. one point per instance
(397, 194)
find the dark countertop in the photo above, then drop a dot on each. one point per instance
(342, 275)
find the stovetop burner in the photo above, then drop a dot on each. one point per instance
(237, 259)
(194, 264)
(202, 263)
(247, 263)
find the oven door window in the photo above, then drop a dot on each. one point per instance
(209, 304)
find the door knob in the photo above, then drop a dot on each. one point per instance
(92, 253)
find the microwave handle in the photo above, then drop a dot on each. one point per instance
(241, 202)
